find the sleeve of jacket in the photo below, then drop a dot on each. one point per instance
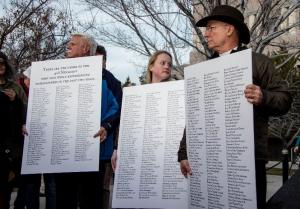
(298, 141)
(182, 152)
(21, 99)
(276, 97)
(112, 122)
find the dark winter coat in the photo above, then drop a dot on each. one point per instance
(12, 117)
(276, 102)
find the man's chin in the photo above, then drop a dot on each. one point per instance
(210, 46)
(68, 54)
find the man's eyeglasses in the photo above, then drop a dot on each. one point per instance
(210, 28)
(213, 27)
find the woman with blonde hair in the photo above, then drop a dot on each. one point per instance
(159, 67)
(158, 70)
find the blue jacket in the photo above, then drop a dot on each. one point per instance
(298, 141)
(110, 111)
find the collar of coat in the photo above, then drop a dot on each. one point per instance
(240, 48)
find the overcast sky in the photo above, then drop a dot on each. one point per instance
(121, 62)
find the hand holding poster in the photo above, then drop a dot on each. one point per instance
(63, 114)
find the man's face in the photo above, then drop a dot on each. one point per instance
(27, 82)
(216, 34)
(77, 47)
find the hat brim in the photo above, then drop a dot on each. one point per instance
(241, 27)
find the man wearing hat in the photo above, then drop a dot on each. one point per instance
(226, 33)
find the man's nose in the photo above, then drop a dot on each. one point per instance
(206, 33)
(68, 46)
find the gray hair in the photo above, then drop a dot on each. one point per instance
(90, 40)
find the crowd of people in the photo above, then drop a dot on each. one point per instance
(225, 32)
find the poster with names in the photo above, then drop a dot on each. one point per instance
(220, 133)
(152, 123)
(64, 112)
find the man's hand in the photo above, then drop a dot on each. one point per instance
(113, 160)
(102, 133)
(296, 149)
(253, 94)
(24, 130)
(10, 93)
(185, 168)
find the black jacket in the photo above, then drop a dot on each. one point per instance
(12, 117)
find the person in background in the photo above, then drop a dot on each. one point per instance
(158, 70)
(24, 80)
(226, 33)
(296, 148)
(83, 189)
(108, 81)
(13, 105)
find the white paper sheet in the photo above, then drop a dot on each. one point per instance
(220, 134)
(64, 112)
(152, 124)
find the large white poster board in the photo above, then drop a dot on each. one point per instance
(63, 114)
(152, 124)
(220, 133)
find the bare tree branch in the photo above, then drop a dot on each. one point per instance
(33, 30)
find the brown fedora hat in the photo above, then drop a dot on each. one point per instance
(231, 15)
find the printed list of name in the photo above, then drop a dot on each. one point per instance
(218, 147)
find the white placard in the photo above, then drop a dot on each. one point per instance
(220, 133)
(64, 112)
(152, 124)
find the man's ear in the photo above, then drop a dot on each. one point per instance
(230, 30)
(86, 49)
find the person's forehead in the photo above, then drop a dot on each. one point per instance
(215, 22)
(163, 56)
(76, 39)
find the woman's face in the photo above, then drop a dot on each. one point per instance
(161, 68)
(2, 68)
(27, 82)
